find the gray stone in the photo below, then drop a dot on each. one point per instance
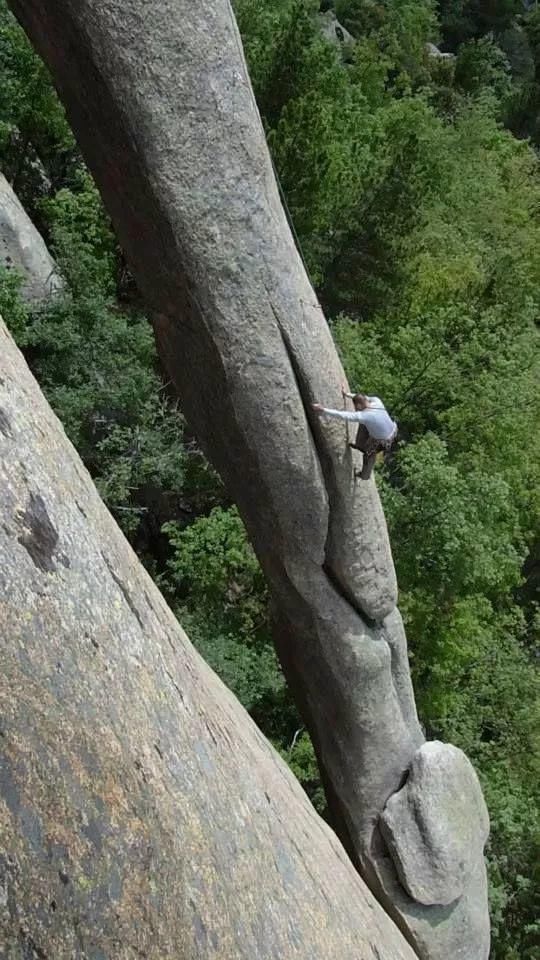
(436, 825)
(460, 931)
(164, 112)
(334, 31)
(433, 51)
(142, 812)
(23, 249)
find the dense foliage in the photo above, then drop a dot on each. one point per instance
(418, 213)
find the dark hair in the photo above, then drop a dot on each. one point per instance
(361, 400)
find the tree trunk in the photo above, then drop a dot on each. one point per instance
(142, 813)
(159, 98)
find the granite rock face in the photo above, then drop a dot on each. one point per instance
(142, 813)
(435, 829)
(165, 115)
(23, 249)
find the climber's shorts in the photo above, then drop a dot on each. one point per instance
(372, 445)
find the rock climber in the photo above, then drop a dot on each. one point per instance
(376, 429)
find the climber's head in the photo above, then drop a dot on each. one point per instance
(360, 401)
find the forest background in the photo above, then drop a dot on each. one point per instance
(412, 182)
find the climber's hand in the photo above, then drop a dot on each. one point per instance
(318, 407)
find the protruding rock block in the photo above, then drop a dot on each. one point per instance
(435, 830)
(436, 825)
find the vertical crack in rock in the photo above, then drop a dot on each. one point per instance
(322, 456)
(123, 590)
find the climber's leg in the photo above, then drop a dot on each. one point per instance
(367, 466)
(362, 439)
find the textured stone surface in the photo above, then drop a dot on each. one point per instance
(435, 829)
(459, 931)
(437, 824)
(433, 51)
(168, 124)
(142, 814)
(165, 115)
(23, 249)
(333, 30)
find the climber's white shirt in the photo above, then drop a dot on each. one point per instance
(376, 418)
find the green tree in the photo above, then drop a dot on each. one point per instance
(37, 147)
(481, 65)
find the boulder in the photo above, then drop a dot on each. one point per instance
(436, 826)
(433, 51)
(22, 248)
(333, 30)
